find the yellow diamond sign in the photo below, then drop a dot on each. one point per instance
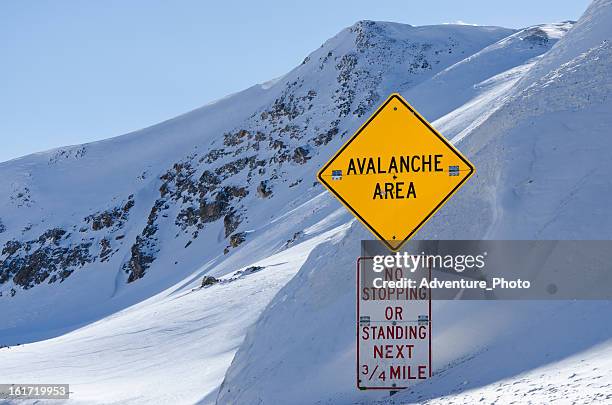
(395, 172)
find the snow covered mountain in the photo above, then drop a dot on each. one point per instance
(105, 245)
(91, 229)
(542, 153)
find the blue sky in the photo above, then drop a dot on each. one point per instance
(78, 71)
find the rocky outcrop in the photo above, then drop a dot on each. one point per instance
(142, 252)
(263, 189)
(56, 253)
(231, 221)
(114, 217)
(237, 239)
(139, 260)
(207, 281)
(51, 257)
(301, 154)
(106, 250)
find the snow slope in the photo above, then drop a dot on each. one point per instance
(466, 79)
(542, 158)
(496, 350)
(172, 348)
(592, 28)
(570, 363)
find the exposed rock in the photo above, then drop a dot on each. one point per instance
(231, 221)
(54, 235)
(212, 211)
(213, 155)
(235, 192)
(263, 190)
(326, 137)
(292, 103)
(207, 281)
(365, 105)
(163, 190)
(67, 153)
(235, 138)
(188, 217)
(250, 270)
(295, 183)
(22, 197)
(151, 227)
(113, 217)
(139, 261)
(296, 236)
(237, 239)
(129, 204)
(106, 249)
(32, 262)
(213, 201)
(236, 166)
(346, 95)
(208, 182)
(145, 247)
(277, 144)
(300, 155)
(178, 182)
(11, 247)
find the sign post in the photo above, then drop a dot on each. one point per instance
(393, 174)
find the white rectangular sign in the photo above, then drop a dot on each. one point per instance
(393, 327)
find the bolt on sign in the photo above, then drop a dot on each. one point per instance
(393, 328)
(395, 172)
